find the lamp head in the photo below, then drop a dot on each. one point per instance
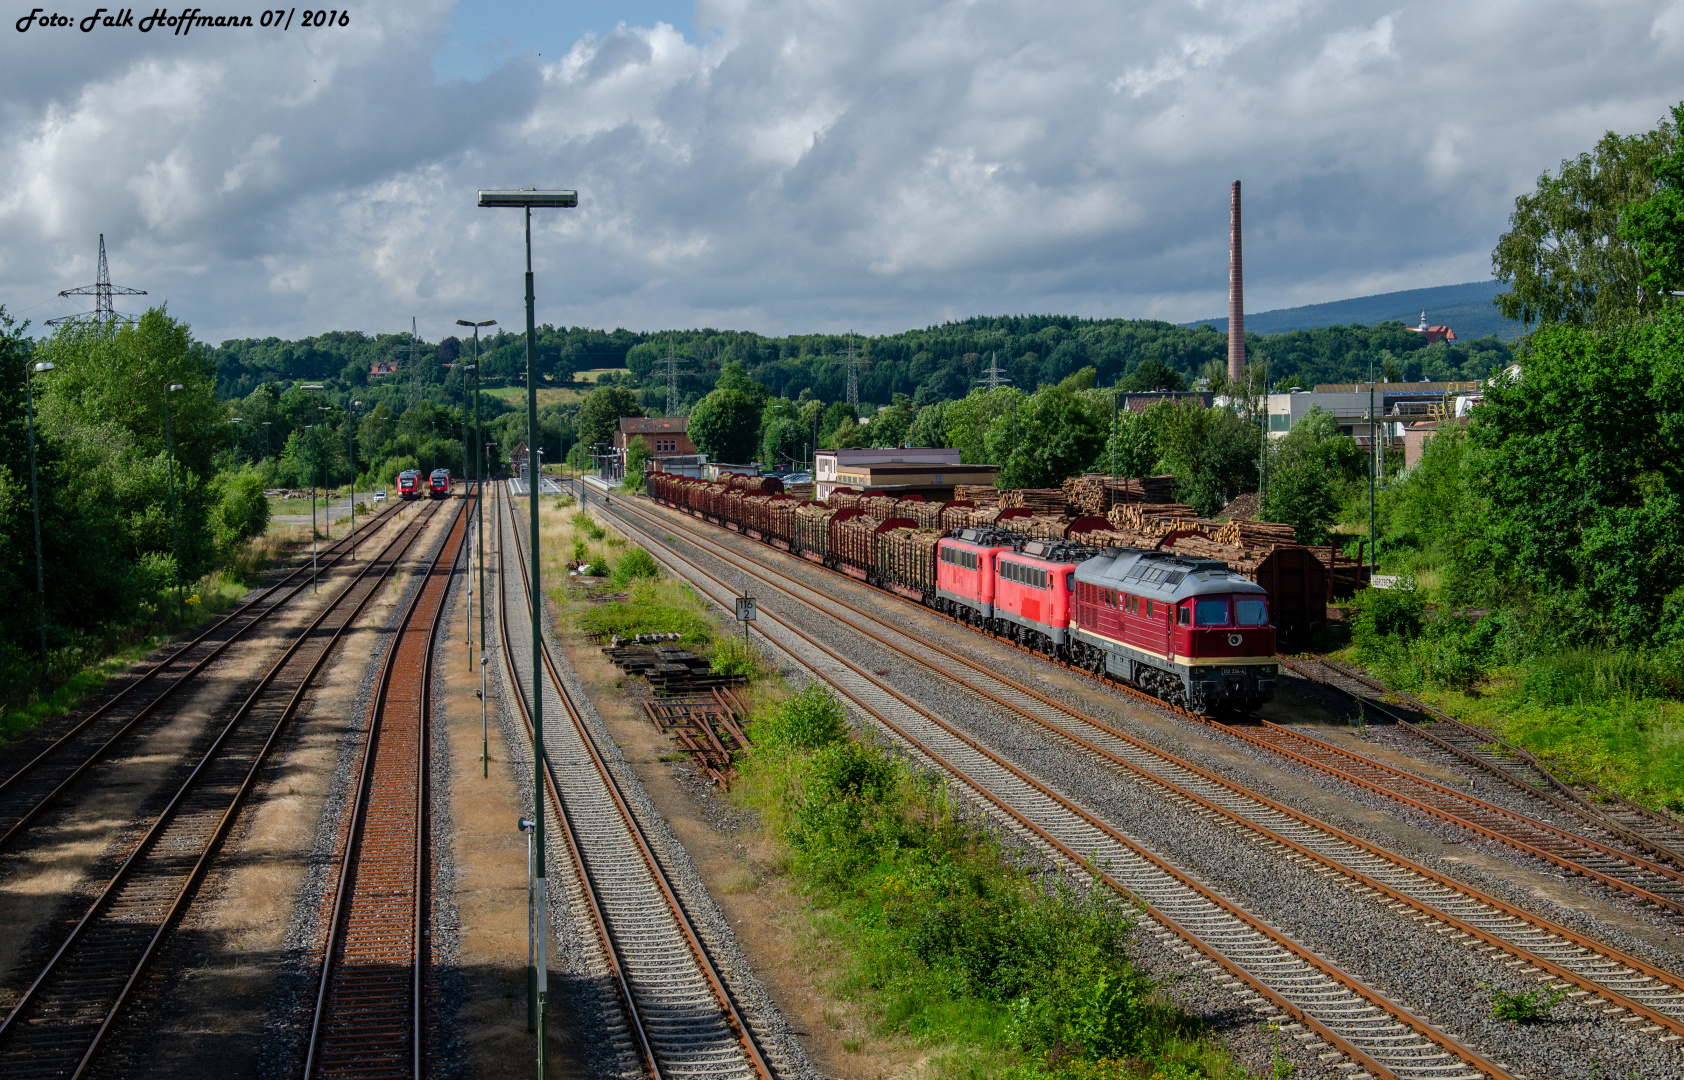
(43, 365)
(527, 197)
(177, 386)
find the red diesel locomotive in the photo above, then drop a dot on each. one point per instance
(1190, 631)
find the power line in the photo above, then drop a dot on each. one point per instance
(853, 362)
(102, 291)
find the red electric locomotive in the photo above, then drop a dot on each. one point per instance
(440, 481)
(965, 573)
(409, 484)
(1190, 631)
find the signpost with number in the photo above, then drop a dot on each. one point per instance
(746, 608)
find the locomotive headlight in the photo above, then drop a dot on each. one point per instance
(1200, 672)
(1266, 669)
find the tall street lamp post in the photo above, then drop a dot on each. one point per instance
(315, 452)
(175, 523)
(35, 503)
(479, 544)
(525, 199)
(266, 449)
(351, 452)
(236, 420)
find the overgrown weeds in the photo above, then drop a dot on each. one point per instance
(949, 940)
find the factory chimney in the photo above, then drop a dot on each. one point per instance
(1236, 290)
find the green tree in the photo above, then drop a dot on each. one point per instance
(725, 425)
(1312, 470)
(1564, 257)
(889, 426)
(930, 427)
(1131, 444)
(1583, 467)
(637, 463)
(970, 418)
(1655, 226)
(1212, 452)
(1050, 437)
(600, 415)
(240, 511)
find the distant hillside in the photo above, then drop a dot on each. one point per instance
(1466, 309)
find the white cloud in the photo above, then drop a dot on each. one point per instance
(809, 164)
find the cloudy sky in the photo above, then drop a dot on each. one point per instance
(796, 165)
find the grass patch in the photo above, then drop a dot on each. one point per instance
(652, 607)
(943, 938)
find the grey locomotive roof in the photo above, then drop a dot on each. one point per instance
(1161, 575)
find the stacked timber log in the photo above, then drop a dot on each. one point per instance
(1255, 533)
(799, 491)
(1040, 526)
(852, 541)
(780, 518)
(952, 513)
(983, 495)
(765, 485)
(926, 514)
(976, 517)
(1094, 493)
(844, 500)
(1040, 500)
(812, 526)
(1115, 538)
(908, 557)
(878, 507)
(1156, 519)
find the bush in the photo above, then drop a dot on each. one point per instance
(734, 656)
(810, 720)
(1383, 613)
(634, 564)
(1595, 676)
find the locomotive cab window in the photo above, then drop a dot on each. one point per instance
(1211, 613)
(1184, 616)
(1249, 612)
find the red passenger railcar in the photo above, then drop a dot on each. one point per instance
(409, 484)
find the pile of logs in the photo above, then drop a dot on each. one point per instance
(983, 495)
(1255, 533)
(878, 507)
(1040, 500)
(1156, 519)
(1094, 493)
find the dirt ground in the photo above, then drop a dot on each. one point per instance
(215, 984)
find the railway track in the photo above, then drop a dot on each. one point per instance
(1653, 834)
(1357, 1021)
(1651, 998)
(370, 1018)
(680, 1017)
(56, 770)
(56, 1029)
(1644, 880)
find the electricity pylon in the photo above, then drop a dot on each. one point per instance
(102, 291)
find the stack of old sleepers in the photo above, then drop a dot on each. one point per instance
(853, 543)
(670, 669)
(1255, 533)
(708, 725)
(982, 495)
(1040, 500)
(878, 507)
(780, 519)
(906, 560)
(812, 529)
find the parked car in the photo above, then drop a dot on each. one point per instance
(379, 496)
